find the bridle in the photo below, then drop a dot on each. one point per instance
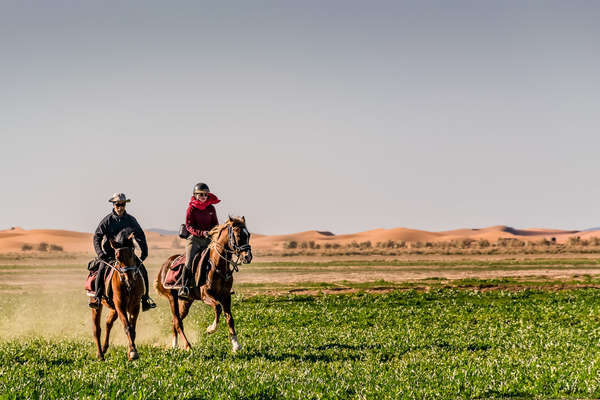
(236, 249)
(122, 270)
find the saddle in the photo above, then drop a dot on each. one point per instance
(173, 277)
(90, 282)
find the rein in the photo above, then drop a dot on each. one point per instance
(237, 250)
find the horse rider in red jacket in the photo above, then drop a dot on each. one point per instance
(200, 218)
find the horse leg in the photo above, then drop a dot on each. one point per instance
(134, 312)
(217, 309)
(226, 303)
(97, 330)
(122, 312)
(177, 323)
(110, 320)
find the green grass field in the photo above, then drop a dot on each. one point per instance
(444, 343)
(527, 336)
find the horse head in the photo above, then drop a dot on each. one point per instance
(239, 238)
(124, 248)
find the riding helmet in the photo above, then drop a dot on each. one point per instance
(201, 187)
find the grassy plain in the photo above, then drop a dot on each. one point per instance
(323, 329)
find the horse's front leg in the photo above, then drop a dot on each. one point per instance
(213, 328)
(226, 303)
(97, 330)
(122, 312)
(134, 312)
(110, 320)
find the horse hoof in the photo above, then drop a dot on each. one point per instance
(100, 357)
(235, 344)
(211, 329)
(133, 355)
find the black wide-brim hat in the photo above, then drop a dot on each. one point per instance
(119, 198)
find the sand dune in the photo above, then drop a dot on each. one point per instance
(12, 240)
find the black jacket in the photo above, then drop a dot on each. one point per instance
(110, 226)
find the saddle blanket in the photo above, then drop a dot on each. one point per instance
(173, 279)
(90, 282)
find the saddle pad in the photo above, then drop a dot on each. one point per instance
(174, 276)
(90, 282)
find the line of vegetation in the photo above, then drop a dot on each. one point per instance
(42, 246)
(457, 247)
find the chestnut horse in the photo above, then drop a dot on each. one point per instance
(227, 240)
(127, 289)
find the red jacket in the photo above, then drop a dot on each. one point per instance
(199, 221)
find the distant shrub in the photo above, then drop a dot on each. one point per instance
(292, 244)
(327, 245)
(26, 247)
(484, 243)
(312, 244)
(55, 247)
(574, 241)
(43, 246)
(336, 245)
(595, 241)
(365, 245)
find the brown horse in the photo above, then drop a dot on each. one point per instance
(227, 240)
(127, 287)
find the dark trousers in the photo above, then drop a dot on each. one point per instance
(193, 246)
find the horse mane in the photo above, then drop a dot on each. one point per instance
(122, 238)
(216, 230)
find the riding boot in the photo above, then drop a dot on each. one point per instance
(184, 291)
(147, 302)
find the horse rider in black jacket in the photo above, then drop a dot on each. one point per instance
(108, 228)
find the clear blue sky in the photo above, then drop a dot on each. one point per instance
(330, 115)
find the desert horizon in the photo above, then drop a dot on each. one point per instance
(15, 238)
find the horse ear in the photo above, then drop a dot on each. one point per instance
(229, 218)
(130, 237)
(243, 219)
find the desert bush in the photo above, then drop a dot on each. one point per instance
(26, 247)
(365, 245)
(574, 241)
(55, 247)
(543, 242)
(336, 245)
(291, 244)
(595, 241)
(303, 245)
(484, 243)
(43, 246)
(312, 244)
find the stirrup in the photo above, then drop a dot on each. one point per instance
(183, 291)
(148, 304)
(96, 303)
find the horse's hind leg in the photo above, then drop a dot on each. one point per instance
(217, 309)
(227, 310)
(110, 320)
(177, 322)
(97, 330)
